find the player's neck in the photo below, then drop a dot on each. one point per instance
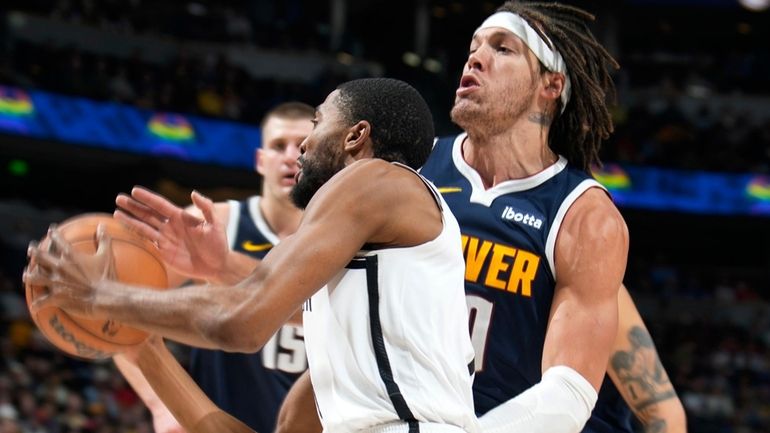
(515, 153)
(281, 215)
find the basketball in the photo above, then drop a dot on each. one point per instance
(136, 262)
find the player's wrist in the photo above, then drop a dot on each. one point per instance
(234, 269)
(108, 300)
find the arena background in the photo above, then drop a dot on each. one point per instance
(99, 95)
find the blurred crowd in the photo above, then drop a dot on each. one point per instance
(661, 133)
(287, 24)
(668, 113)
(711, 326)
(45, 391)
(206, 86)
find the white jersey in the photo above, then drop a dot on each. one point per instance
(387, 340)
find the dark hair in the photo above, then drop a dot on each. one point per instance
(578, 132)
(402, 126)
(289, 110)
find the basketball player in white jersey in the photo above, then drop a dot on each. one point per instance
(375, 262)
(234, 381)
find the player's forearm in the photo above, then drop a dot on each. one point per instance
(666, 416)
(162, 419)
(637, 372)
(560, 403)
(134, 377)
(184, 399)
(199, 316)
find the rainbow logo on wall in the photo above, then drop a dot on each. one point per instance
(16, 109)
(612, 176)
(758, 188)
(758, 191)
(171, 128)
(15, 102)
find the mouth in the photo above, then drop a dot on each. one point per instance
(289, 179)
(468, 84)
(297, 175)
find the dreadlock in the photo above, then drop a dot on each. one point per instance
(577, 132)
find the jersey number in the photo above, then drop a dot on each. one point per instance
(479, 317)
(285, 351)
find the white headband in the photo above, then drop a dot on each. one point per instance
(552, 59)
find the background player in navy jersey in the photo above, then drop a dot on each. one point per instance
(249, 386)
(545, 247)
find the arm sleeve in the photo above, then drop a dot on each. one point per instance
(560, 403)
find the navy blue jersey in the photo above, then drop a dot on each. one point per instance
(508, 238)
(252, 387)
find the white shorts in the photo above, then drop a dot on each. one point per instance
(402, 427)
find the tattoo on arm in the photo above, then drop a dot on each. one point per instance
(644, 378)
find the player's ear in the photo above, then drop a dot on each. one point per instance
(358, 137)
(553, 85)
(258, 161)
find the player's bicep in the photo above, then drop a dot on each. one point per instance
(590, 259)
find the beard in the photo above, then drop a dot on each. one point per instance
(314, 175)
(492, 114)
(466, 112)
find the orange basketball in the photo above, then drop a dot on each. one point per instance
(137, 262)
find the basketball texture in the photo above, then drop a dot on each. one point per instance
(136, 261)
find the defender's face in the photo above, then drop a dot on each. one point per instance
(499, 80)
(277, 158)
(322, 152)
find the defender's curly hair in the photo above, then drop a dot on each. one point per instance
(579, 131)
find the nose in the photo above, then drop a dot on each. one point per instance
(477, 59)
(303, 146)
(293, 150)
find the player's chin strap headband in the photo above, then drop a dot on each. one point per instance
(551, 58)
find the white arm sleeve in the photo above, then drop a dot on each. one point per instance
(561, 403)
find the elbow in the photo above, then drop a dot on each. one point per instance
(231, 333)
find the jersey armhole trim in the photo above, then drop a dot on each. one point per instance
(232, 222)
(553, 232)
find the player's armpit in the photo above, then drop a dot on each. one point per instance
(298, 413)
(640, 377)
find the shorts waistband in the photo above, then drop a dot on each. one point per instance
(402, 427)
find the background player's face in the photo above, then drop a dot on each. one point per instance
(277, 158)
(499, 82)
(322, 151)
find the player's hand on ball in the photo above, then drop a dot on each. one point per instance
(70, 278)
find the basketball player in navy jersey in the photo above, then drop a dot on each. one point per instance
(544, 245)
(379, 360)
(249, 386)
